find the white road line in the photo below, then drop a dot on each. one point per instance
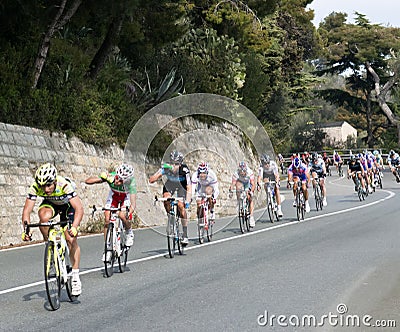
(268, 229)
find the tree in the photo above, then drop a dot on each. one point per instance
(350, 49)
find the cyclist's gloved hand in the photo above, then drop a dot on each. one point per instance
(187, 205)
(73, 231)
(107, 177)
(25, 237)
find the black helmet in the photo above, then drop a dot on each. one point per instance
(352, 158)
(315, 156)
(391, 152)
(265, 159)
(176, 157)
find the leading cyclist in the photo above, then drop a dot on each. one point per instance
(178, 179)
(318, 171)
(59, 197)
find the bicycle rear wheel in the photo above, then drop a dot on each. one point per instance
(109, 253)
(317, 195)
(242, 220)
(123, 258)
(179, 237)
(298, 206)
(200, 225)
(210, 230)
(171, 236)
(52, 276)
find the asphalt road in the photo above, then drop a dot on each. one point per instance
(340, 266)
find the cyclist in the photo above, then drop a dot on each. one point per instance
(318, 170)
(268, 171)
(122, 190)
(356, 169)
(327, 161)
(205, 182)
(178, 179)
(299, 172)
(378, 160)
(243, 179)
(59, 197)
(281, 163)
(393, 161)
(337, 160)
(366, 166)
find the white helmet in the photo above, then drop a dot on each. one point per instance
(45, 174)
(124, 172)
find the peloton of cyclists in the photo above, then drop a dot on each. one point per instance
(268, 171)
(318, 171)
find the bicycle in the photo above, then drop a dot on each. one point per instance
(114, 244)
(318, 194)
(204, 225)
(360, 191)
(378, 178)
(300, 202)
(272, 205)
(340, 169)
(174, 226)
(243, 211)
(57, 265)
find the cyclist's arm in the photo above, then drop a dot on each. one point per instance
(132, 198)
(155, 176)
(76, 203)
(93, 180)
(26, 212)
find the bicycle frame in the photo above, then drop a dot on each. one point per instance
(56, 256)
(272, 205)
(300, 202)
(203, 223)
(174, 232)
(243, 210)
(115, 242)
(318, 193)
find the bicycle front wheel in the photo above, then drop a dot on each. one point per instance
(270, 207)
(242, 220)
(109, 253)
(52, 276)
(171, 236)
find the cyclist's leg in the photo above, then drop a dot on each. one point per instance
(46, 212)
(182, 211)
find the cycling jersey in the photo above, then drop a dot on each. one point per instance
(199, 185)
(119, 193)
(337, 158)
(301, 172)
(356, 167)
(268, 172)
(317, 167)
(394, 161)
(61, 195)
(244, 179)
(176, 180)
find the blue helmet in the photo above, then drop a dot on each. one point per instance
(296, 162)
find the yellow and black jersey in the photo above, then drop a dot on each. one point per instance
(63, 192)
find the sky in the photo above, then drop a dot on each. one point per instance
(385, 12)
